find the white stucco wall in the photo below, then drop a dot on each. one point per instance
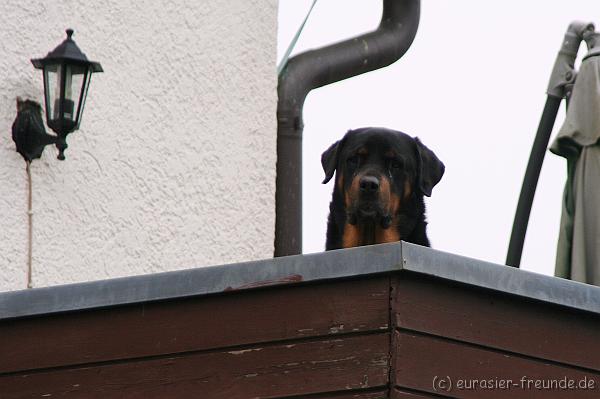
(174, 164)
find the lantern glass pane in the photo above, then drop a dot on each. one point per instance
(52, 76)
(86, 84)
(74, 85)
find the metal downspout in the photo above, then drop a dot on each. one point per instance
(317, 68)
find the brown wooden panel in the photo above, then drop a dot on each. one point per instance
(423, 362)
(379, 394)
(261, 371)
(398, 393)
(232, 319)
(499, 321)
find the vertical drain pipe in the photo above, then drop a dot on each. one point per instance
(317, 68)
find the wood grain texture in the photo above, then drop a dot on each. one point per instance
(423, 361)
(258, 372)
(399, 393)
(499, 321)
(232, 319)
(378, 394)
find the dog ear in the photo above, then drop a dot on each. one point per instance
(431, 169)
(329, 160)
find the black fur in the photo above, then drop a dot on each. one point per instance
(413, 165)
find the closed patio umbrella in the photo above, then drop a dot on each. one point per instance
(578, 250)
(559, 87)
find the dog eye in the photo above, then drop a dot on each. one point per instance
(352, 161)
(396, 164)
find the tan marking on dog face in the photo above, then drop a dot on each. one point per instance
(385, 189)
(389, 200)
(395, 204)
(363, 151)
(353, 192)
(391, 203)
(385, 192)
(351, 237)
(407, 189)
(390, 153)
(340, 182)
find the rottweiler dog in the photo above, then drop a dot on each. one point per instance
(381, 177)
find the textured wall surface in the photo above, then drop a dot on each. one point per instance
(174, 164)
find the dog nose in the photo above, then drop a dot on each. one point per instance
(369, 184)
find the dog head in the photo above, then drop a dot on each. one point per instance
(377, 171)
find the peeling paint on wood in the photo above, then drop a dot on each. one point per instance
(304, 368)
(293, 278)
(196, 324)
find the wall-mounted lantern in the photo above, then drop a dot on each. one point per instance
(67, 73)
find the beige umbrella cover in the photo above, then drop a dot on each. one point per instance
(578, 251)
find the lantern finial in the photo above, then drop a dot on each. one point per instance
(69, 33)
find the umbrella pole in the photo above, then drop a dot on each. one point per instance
(562, 77)
(532, 174)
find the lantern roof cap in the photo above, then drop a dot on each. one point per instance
(66, 51)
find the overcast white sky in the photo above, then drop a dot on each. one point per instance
(472, 87)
